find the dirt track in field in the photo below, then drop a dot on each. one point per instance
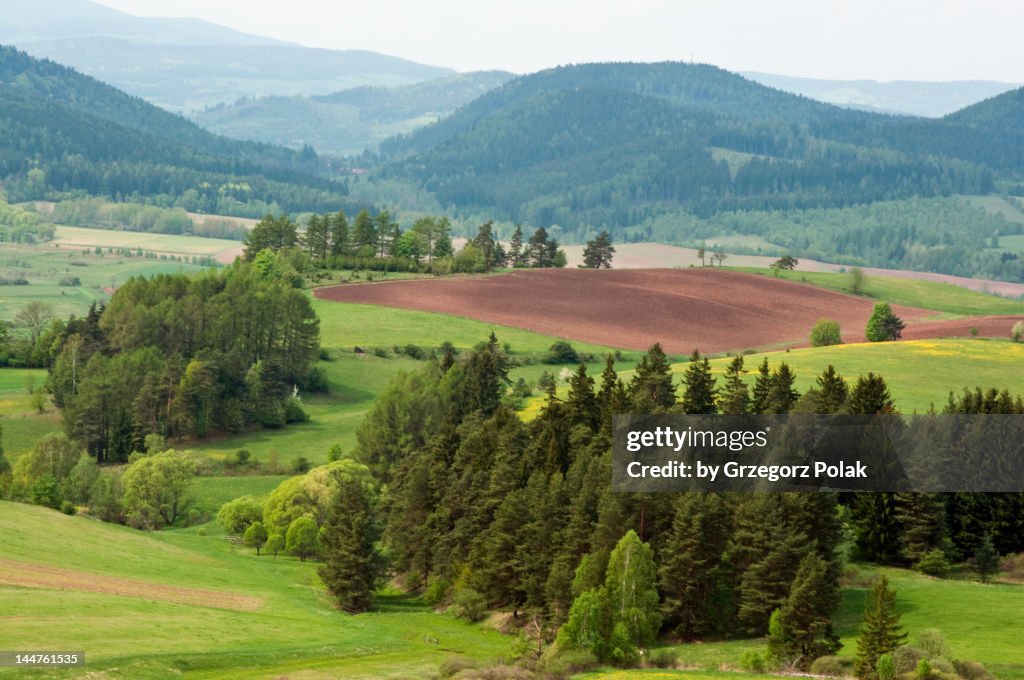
(686, 309)
(28, 575)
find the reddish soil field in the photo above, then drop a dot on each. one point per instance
(988, 327)
(685, 309)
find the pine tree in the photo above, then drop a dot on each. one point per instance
(364, 235)
(762, 388)
(986, 559)
(782, 394)
(806, 615)
(339, 234)
(832, 391)
(870, 396)
(516, 254)
(598, 253)
(923, 516)
(698, 386)
(651, 388)
(877, 528)
(881, 632)
(582, 402)
(692, 573)
(611, 397)
(352, 563)
(734, 399)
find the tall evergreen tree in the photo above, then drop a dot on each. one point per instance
(339, 234)
(517, 256)
(273, 232)
(598, 253)
(832, 391)
(651, 388)
(782, 393)
(364, 235)
(698, 386)
(582, 402)
(734, 399)
(881, 632)
(923, 519)
(352, 563)
(806, 616)
(871, 396)
(762, 388)
(692, 574)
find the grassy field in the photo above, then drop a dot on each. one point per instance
(942, 297)
(918, 372)
(45, 265)
(262, 617)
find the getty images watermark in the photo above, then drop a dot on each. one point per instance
(894, 453)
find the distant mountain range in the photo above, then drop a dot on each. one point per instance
(617, 144)
(61, 131)
(907, 97)
(187, 64)
(350, 121)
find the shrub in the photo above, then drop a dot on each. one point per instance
(494, 673)
(825, 333)
(906, 658)
(932, 643)
(201, 531)
(1018, 332)
(923, 670)
(885, 667)
(971, 670)
(934, 563)
(242, 457)
(831, 666)
(380, 352)
(437, 591)
(68, 508)
(293, 411)
(456, 664)
(1013, 567)
(70, 282)
(415, 352)
(560, 662)
(752, 662)
(469, 605)
(561, 352)
(662, 658)
(300, 465)
(334, 453)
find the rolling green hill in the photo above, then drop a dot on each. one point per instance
(76, 133)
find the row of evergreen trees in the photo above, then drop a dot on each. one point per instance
(522, 516)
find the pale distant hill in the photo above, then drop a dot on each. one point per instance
(188, 64)
(908, 97)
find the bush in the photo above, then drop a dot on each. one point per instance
(561, 352)
(934, 563)
(971, 670)
(456, 664)
(242, 457)
(300, 465)
(831, 666)
(494, 673)
(932, 643)
(826, 332)
(68, 508)
(562, 663)
(885, 667)
(906, 658)
(1017, 334)
(469, 605)
(70, 282)
(752, 662)
(1013, 567)
(201, 531)
(662, 658)
(437, 591)
(923, 670)
(415, 352)
(293, 411)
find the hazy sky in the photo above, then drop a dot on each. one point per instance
(846, 39)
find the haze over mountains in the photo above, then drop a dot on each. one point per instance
(188, 64)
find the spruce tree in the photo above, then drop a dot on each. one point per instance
(698, 387)
(832, 391)
(339, 234)
(516, 254)
(734, 399)
(923, 516)
(986, 559)
(352, 563)
(806, 615)
(762, 388)
(881, 632)
(651, 388)
(871, 396)
(692, 574)
(582, 402)
(782, 394)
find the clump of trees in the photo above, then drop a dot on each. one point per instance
(599, 252)
(883, 324)
(181, 356)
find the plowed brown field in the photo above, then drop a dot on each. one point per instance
(686, 309)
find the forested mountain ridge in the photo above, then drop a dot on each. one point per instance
(349, 121)
(79, 134)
